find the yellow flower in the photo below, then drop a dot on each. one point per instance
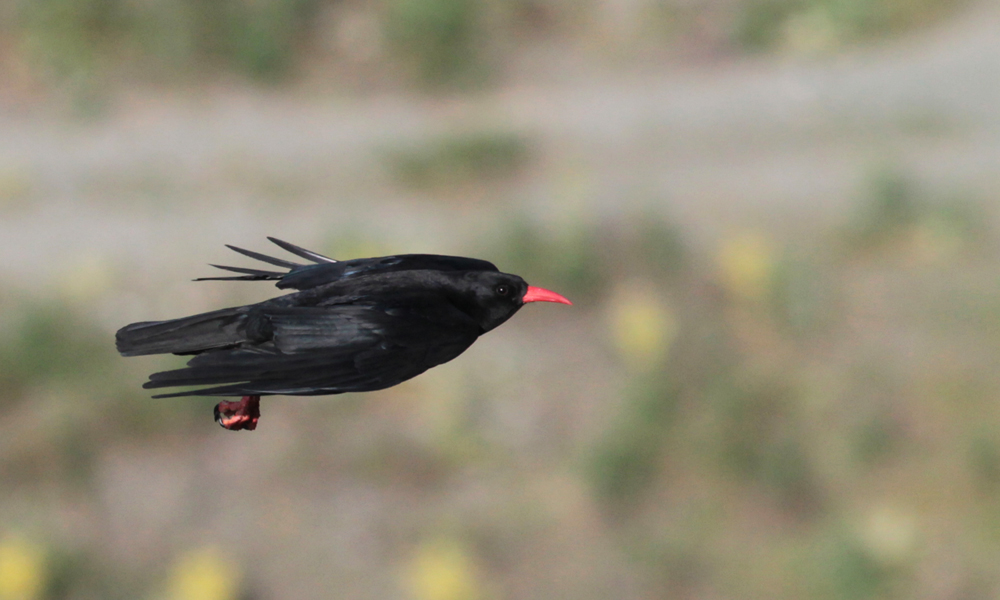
(746, 265)
(22, 569)
(443, 570)
(643, 326)
(204, 574)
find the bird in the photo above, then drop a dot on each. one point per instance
(349, 326)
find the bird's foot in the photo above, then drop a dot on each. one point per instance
(242, 414)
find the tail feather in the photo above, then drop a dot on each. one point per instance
(216, 329)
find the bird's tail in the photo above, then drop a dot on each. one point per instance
(188, 335)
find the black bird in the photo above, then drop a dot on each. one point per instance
(352, 326)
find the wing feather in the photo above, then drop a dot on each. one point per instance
(327, 270)
(279, 262)
(299, 251)
(329, 350)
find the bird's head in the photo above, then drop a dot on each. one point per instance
(491, 298)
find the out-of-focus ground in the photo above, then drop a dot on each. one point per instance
(777, 221)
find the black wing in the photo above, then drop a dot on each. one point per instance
(326, 270)
(312, 351)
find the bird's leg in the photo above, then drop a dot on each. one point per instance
(242, 414)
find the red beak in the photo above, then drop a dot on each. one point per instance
(537, 294)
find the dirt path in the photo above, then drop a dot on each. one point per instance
(761, 141)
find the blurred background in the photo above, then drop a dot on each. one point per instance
(777, 220)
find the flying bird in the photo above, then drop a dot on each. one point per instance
(350, 326)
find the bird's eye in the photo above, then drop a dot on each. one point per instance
(502, 290)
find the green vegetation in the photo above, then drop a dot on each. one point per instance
(566, 260)
(439, 41)
(895, 214)
(766, 399)
(43, 343)
(88, 38)
(779, 419)
(826, 24)
(627, 462)
(84, 45)
(485, 157)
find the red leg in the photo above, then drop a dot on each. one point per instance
(242, 414)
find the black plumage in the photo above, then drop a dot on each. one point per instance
(351, 326)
